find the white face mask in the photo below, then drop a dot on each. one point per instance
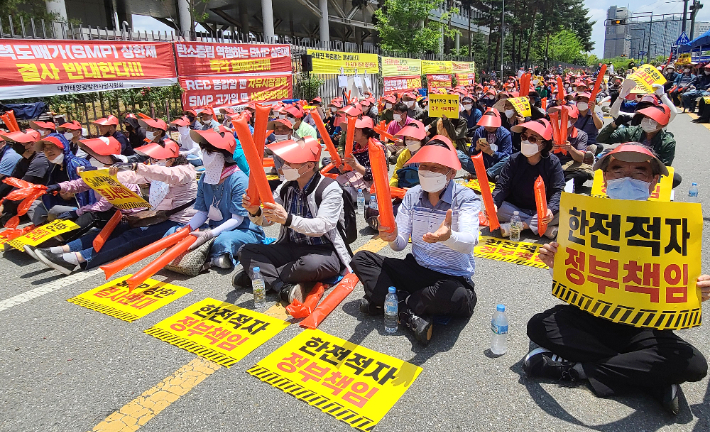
(333, 109)
(509, 113)
(686, 70)
(150, 135)
(409, 103)
(528, 149)
(569, 125)
(69, 136)
(159, 163)
(292, 120)
(58, 160)
(467, 107)
(431, 181)
(183, 130)
(582, 106)
(283, 116)
(707, 72)
(281, 137)
(388, 106)
(44, 132)
(290, 174)
(213, 163)
(397, 117)
(648, 125)
(413, 144)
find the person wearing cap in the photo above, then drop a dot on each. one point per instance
(310, 247)
(577, 162)
(670, 75)
(413, 110)
(206, 120)
(63, 167)
(515, 189)
(44, 128)
(681, 83)
(470, 113)
(441, 219)
(108, 127)
(219, 213)
(8, 159)
(361, 175)
(400, 119)
(589, 120)
(453, 129)
(32, 168)
(613, 358)
(300, 128)
(136, 133)
(188, 147)
(72, 131)
(491, 139)
(388, 103)
(173, 190)
(192, 116)
(407, 175)
(698, 88)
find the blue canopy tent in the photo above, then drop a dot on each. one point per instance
(699, 48)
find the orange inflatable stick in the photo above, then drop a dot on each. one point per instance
(350, 140)
(378, 163)
(555, 123)
(598, 83)
(560, 91)
(383, 133)
(107, 230)
(132, 258)
(13, 120)
(541, 201)
(266, 163)
(396, 192)
(261, 122)
(488, 203)
(336, 296)
(543, 104)
(156, 265)
(524, 84)
(334, 156)
(301, 310)
(564, 118)
(254, 160)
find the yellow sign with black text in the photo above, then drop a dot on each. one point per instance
(646, 76)
(632, 262)
(521, 253)
(330, 62)
(436, 67)
(662, 192)
(43, 233)
(394, 67)
(444, 105)
(354, 384)
(218, 331)
(113, 190)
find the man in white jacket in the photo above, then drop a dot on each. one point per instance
(308, 207)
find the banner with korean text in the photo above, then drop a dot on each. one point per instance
(400, 67)
(113, 190)
(330, 62)
(444, 105)
(234, 89)
(203, 58)
(662, 191)
(435, 82)
(436, 67)
(33, 68)
(401, 83)
(633, 262)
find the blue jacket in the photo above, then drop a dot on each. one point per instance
(504, 142)
(473, 118)
(69, 165)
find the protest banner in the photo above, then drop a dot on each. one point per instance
(43, 233)
(354, 384)
(438, 82)
(34, 68)
(116, 300)
(521, 253)
(475, 185)
(330, 62)
(521, 105)
(632, 262)
(463, 67)
(645, 76)
(234, 89)
(204, 58)
(401, 67)
(465, 79)
(110, 188)
(662, 192)
(218, 331)
(401, 84)
(436, 67)
(444, 105)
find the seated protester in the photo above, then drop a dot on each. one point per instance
(136, 133)
(453, 129)
(615, 357)
(63, 167)
(510, 119)
(387, 114)
(470, 113)
(330, 117)
(589, 120)
(361, 175)
(173, 189)
(33, 168)
(206, 120)
(301, 129)
(72, 131)
(414, 137)
(682, 82)
(515, 189)
(413, 110)
(44, 128)
(309, 248)
(400, 119)
(369, 109)
(536, 112)
(192, 116)
(698, 88)
(108, 127)
(491, 139)
(641, 102)
(441, 219)
(489, 99)
(220, 215)
(577, 163)
(8, 159)
(188, 147)
(283, 131)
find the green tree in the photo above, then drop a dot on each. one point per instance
(404, 26)
(26, 9)
(566, 47)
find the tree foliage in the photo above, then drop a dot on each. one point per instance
(404, 26)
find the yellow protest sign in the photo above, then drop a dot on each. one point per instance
(662, 192)
(115, 299)
(706, 99)
(393, 67)
(110, 188)
(436, 67)
(218, 331)
(683, 59)
(43, 233)
(352, 383)
(473, 184)
(330, 62)
(633, 262)
(463, 67)
(647, 75)
(521, 253)
(444, 105)
(521, 105)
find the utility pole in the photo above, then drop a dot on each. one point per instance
(648, 53)
(694, 8)
(685, 13)
(502, 39)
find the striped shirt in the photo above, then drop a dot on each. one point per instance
(417, 217)
(299, 207)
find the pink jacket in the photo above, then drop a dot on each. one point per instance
(182, 181)
(101, 204)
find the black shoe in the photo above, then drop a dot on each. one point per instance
(290, 292)
(668, 396)
(241, 280)
(56, 261)
(423, 328)
(370, 309)
(541, 362)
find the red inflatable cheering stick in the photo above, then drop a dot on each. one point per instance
(336, 296)
(334, 156)
(301, 310)
(254, 160)
(597, 84)
(107, 230)
(378, 163)
(260, 124)
(541, 202)
(488, 204)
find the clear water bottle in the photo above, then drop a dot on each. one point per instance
(373, 202)
(257, 284)
(499, 330)
(693, 192)
(360, 202)
(391, 310)
(516, 225)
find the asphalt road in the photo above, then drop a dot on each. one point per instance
(67, 368)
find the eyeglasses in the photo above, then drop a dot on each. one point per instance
(531, 138)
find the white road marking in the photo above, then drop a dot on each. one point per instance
(46, 289)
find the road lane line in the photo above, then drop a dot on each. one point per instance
(142, 409)
(46, 289)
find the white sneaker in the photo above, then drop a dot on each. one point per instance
(505, 229)
(222, 261)
(551, 232)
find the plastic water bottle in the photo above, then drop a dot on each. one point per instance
(516, 225)
(499, 330)
(693, 192)
(257, 284)
(391, 310)
(360, 202)
(373, 202)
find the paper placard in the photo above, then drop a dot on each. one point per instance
(444, 105)
(43, 233)
(521, 253)
(662, 192)
(113, 190)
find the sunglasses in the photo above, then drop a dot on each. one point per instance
(530, 138)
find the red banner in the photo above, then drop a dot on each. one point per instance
(202, 58)
(50, 67)
(234, 89)
(465, 79)
(402, 83)
(438, 81)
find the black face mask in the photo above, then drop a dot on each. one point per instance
(108, 134)
(19, 148)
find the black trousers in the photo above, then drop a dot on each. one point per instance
(430, 292)
(288, 263)
(617, 357)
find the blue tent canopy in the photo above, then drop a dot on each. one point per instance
(695, 44)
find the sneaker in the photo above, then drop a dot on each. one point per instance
(56, 262)
(222, 261)
(668, 397)
(370, 309)
(541, 362)
(31, 252)
(423, 328)
(291, 292)
(241, 280)
(505, 229)
(551, 232)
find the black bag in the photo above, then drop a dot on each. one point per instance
(349, 231)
